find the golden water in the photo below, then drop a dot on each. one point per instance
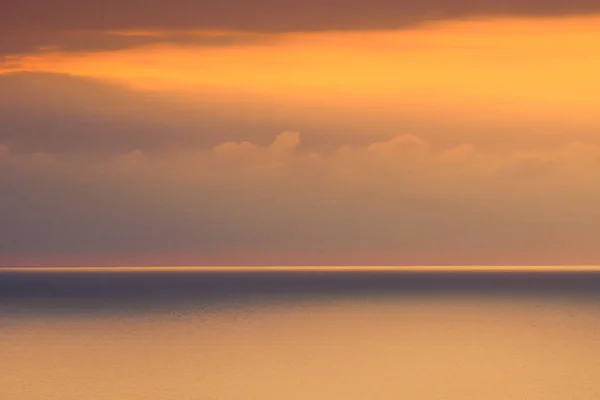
(429, 347)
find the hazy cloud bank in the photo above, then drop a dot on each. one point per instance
(400, 201)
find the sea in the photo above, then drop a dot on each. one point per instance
(300, 333)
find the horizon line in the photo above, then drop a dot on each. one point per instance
(309, 268)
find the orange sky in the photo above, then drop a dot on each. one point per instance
(547, 61)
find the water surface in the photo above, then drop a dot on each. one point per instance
(300, 334)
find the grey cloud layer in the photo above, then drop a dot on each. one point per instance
(64, 114)
(398, 201)
(27, 24)
(264, 15)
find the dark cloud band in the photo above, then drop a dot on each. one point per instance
(265, 15)
(26, 25)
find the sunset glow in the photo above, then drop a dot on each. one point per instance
(299, 199)
(385, 134)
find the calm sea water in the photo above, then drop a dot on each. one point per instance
(300, 334)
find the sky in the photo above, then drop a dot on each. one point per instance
(260, 132)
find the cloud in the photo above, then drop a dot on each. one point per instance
(285, 143)
(400, 201)
(264, 15)
(58, 113)
(87, 25)
(406, 145)
(84, 40)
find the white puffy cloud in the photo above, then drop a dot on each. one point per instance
(285, 142)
